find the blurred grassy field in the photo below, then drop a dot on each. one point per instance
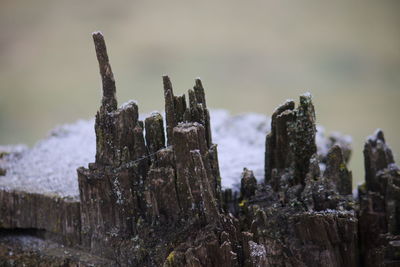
(251, 55)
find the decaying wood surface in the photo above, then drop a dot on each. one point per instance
(156, 200)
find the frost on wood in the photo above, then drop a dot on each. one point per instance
(166, 195)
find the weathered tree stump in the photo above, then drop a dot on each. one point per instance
(154, 197)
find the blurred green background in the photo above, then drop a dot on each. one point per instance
(251, 55)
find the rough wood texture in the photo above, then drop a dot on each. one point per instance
(156, 200)
(60, 218)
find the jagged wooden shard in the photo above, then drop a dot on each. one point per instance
(155, 138)
(277, 151)
(302, 132)
(170, 115)
(109, 101)
(291, 142)
(248, 185)
(380, 204)
(336, 171)
(377, 156)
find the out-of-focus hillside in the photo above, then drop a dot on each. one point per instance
(250, 55)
